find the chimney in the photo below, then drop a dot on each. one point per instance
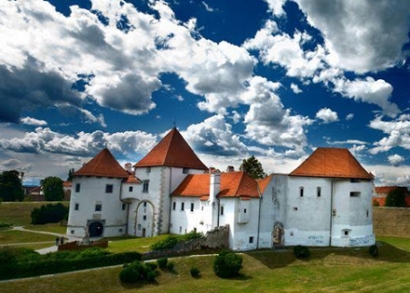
(214, 186)
(230, 169)
(128, 167)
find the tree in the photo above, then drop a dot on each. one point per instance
(227, 264)
(252, 167)
(11, 188)
(53, 188)
(70, 174)
(396, 198)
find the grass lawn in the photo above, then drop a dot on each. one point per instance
(134, 244)
(13, 236)
(18, 213)
(328, 270)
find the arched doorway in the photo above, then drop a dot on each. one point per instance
(96, 229)
(144, 219)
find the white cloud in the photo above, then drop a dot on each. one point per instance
(207, 7)
(295, 88)
(395, 160)
(327, 115)
(33, 121)
(276, 7)
(349, 116)
(352, 29)
(370, 91)
(214, 136)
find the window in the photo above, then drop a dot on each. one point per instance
(124, 206)
(295, 208)
(76, 206)
(98, 207)
(318, 191)
(367, 213)
(145, 204)
(346, 233)
(185, 170)
(109, 188)
(174, 206)
(192, 206)
(334, 213)
(144, 218)
(130, 188)
(244, 211)
(148, 170)
(182, 206)
(77, 187)
(354, 194)
(251, 239)
(180, 229)
(139, 226)
(222, 210)
(354, 180)
(301, 191)
(145, 186)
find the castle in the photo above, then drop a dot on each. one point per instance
(326, 201)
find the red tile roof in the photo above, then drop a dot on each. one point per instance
(384, 190)
(263, 183)
(333, 163)
(172, 151)
(102, 165)
(132, 179)
(233, 184)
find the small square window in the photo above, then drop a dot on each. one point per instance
(354, 194)
(251, 239)
(124, 206)
(98, 207)
(244, 211)
(346, 233)
(130, 188)
(148, 169)
(144, 218)
(185, 170)
(77, 206)
(109, 188)
(295, 208)
(77, 187)
(72, 231)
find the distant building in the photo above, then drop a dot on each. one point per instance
(381, 192)
(326, 201)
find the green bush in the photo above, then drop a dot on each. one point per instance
(189, 236)
(153, 266)
(162, 262)
(194, 272)
(137, 271)
(227, 264)
(170, 266)
(167, 243)
(374, 250)
(301, 251)
(50, 213)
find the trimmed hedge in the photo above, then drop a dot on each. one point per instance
(227, 264)
(18, 266)
(374, 250)
(137, 271)
(301, 251)
(50, 213)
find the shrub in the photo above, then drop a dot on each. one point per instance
(162, 262)
(190, 236)
(50, 213)
(374, 250)
(137, 271)
(227, 264)
(167, 243)
(170, 266)
(194, 272)
(153, 266)
(301, 251)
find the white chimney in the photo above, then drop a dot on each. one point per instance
(128, 167)
(214, 186)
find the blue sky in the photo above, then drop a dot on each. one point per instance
(274, 78)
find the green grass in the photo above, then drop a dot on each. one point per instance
(18, 213)
(54, 228)
(135, 244)
(328, 270)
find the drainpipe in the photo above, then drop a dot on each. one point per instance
(259, 221)
(128, 209)
(170, 199)
(331, 211)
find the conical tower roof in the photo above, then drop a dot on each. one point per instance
(103, 165)
(333, 163)
(172, 151)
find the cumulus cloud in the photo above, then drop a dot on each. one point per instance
(44, 140)
(267, 121)
(349, 116)
(276, 7)
(295, 88)
(33, 121)
(352, 28)
(327, 115)
(214, 136)
(395, 160)
(370, 91)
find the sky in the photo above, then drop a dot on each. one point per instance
(271, 78)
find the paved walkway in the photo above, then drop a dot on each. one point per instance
(49, 249)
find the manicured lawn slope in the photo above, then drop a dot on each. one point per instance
(328, 270)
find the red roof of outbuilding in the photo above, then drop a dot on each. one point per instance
(233, 184)
(172, 151)
(102, 165)
(333, 163)
(263, 183)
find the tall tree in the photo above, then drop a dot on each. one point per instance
(396, 198)
(53, 188)
(70, 174)
(11, 188)
(252, 167)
